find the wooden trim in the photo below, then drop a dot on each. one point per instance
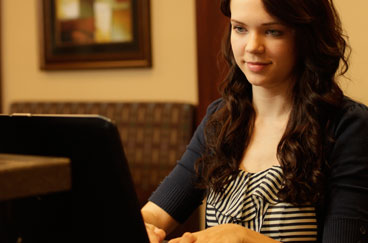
(1, 63)
(211, 25)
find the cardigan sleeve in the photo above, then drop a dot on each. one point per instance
(178, 194)
(346, 208)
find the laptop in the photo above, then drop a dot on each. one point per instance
(101, 206)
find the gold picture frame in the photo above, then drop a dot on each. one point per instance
(89, 34)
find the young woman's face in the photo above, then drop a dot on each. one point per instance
(263, 47)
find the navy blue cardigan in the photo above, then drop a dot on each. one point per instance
(344, 215)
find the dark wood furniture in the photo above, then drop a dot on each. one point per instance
(24, 176)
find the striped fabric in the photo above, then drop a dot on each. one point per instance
(251, 200)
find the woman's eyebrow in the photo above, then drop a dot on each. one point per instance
(264, 24)
(272, 23)
(236, 21)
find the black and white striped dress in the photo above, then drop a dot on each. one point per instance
(250, 200)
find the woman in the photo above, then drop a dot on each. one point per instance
(283, 156)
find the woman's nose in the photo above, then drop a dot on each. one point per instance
(255, 44)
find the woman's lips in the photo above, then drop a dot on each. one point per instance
(257, 66)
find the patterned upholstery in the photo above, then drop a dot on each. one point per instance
(154, 135)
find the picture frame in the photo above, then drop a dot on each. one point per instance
(92, 34)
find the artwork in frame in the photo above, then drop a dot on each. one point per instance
(86, 34)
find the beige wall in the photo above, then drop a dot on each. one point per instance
(354, 17)
(172, 78)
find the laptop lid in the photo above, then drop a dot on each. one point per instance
(100, 207)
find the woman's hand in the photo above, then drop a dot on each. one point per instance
(222, 233)
(158, 222)
(155, 235)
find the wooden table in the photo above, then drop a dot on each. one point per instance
(23, 175)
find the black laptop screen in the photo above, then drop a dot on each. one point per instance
(102, 204)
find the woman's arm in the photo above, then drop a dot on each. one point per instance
(177, 196)
(346, 207)
(158, 222)
(153, 214)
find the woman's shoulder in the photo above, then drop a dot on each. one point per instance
(353, 116)
(352, 107)
(215, 106)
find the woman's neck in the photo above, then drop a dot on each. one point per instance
(272, 105)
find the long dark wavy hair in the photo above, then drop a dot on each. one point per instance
(322, 54)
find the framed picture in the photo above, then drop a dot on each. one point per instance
(86, 34)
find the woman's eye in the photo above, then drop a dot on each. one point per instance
(274, 32)
(239, 29)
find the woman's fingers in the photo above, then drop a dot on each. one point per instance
(155, 234)
(186, 238)
(160, 232)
